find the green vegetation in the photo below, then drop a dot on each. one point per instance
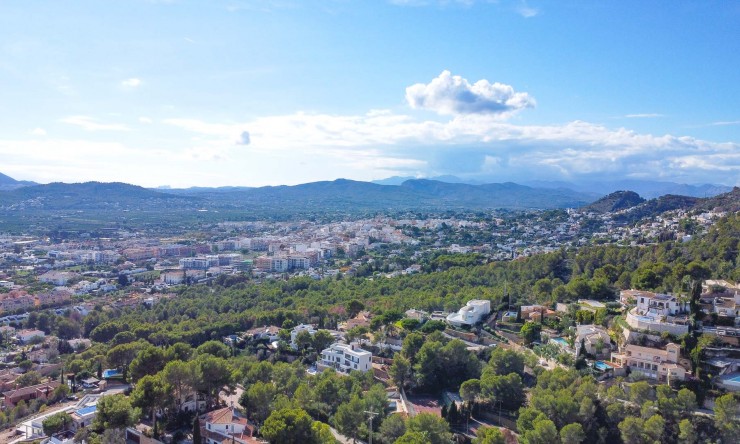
(172, 352)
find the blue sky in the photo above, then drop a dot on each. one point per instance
(240, 92)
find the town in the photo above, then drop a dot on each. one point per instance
(61, 364)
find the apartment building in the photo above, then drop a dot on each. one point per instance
(16, 300)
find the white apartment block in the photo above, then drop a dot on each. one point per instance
(346, 358)
(471, 313)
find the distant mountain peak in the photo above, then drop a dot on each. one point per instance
(7, 180)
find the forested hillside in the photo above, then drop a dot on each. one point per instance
(201, 312)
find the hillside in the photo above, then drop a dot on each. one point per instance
(649, 189)
(417, 194)
(7, 180)
(7, 183)
(616, 201)
(729, 202)
(84, 196)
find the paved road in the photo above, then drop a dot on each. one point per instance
(343, 439)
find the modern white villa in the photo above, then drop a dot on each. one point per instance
(471, 313)
(345, 358)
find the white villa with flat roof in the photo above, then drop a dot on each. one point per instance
(345, 358)
(661, 304)
(471, 313)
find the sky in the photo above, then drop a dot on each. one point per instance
(265, 92)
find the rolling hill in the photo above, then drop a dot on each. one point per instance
(616, 201)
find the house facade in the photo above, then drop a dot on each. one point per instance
(346, 358)
(659, 364)
(226, 425)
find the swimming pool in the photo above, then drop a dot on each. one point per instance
(112, 373)
(560, 341)
(603, 366)
(735, 379)
(87, 410)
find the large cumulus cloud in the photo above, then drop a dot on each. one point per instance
(448, 94)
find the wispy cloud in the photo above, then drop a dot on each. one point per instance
(644, 116)
(131, 83)
(525, 10)
(448, 94)
(90, 124)
(725, 123)
(38, 132)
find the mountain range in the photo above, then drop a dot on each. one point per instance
(328, 197)
(648, 189)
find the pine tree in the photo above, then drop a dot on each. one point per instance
(196, 431)
(452, 415)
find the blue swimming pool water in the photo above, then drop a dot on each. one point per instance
(561, 341)
(86, 410)
(601, 365)
(735, 379)
(110, 373)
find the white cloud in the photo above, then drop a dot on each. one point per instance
(726, 123)
(131, 83)
(38, 132)
(448, 94)
(90, 124)
(396, 142)
(145, 120)
(526, 11)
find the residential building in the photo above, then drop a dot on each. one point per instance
(271, 333)
(25, 336)
(419, 315)
(57, 296)
(595, 339)
(58, 278)
(84, 416)
(345, 358)
(16, 300)
(226, 425)
(661, 304)
(536, 313)
(297, 329)
(655, 363)
(361, 320)
(473, 312)
(38, 391)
